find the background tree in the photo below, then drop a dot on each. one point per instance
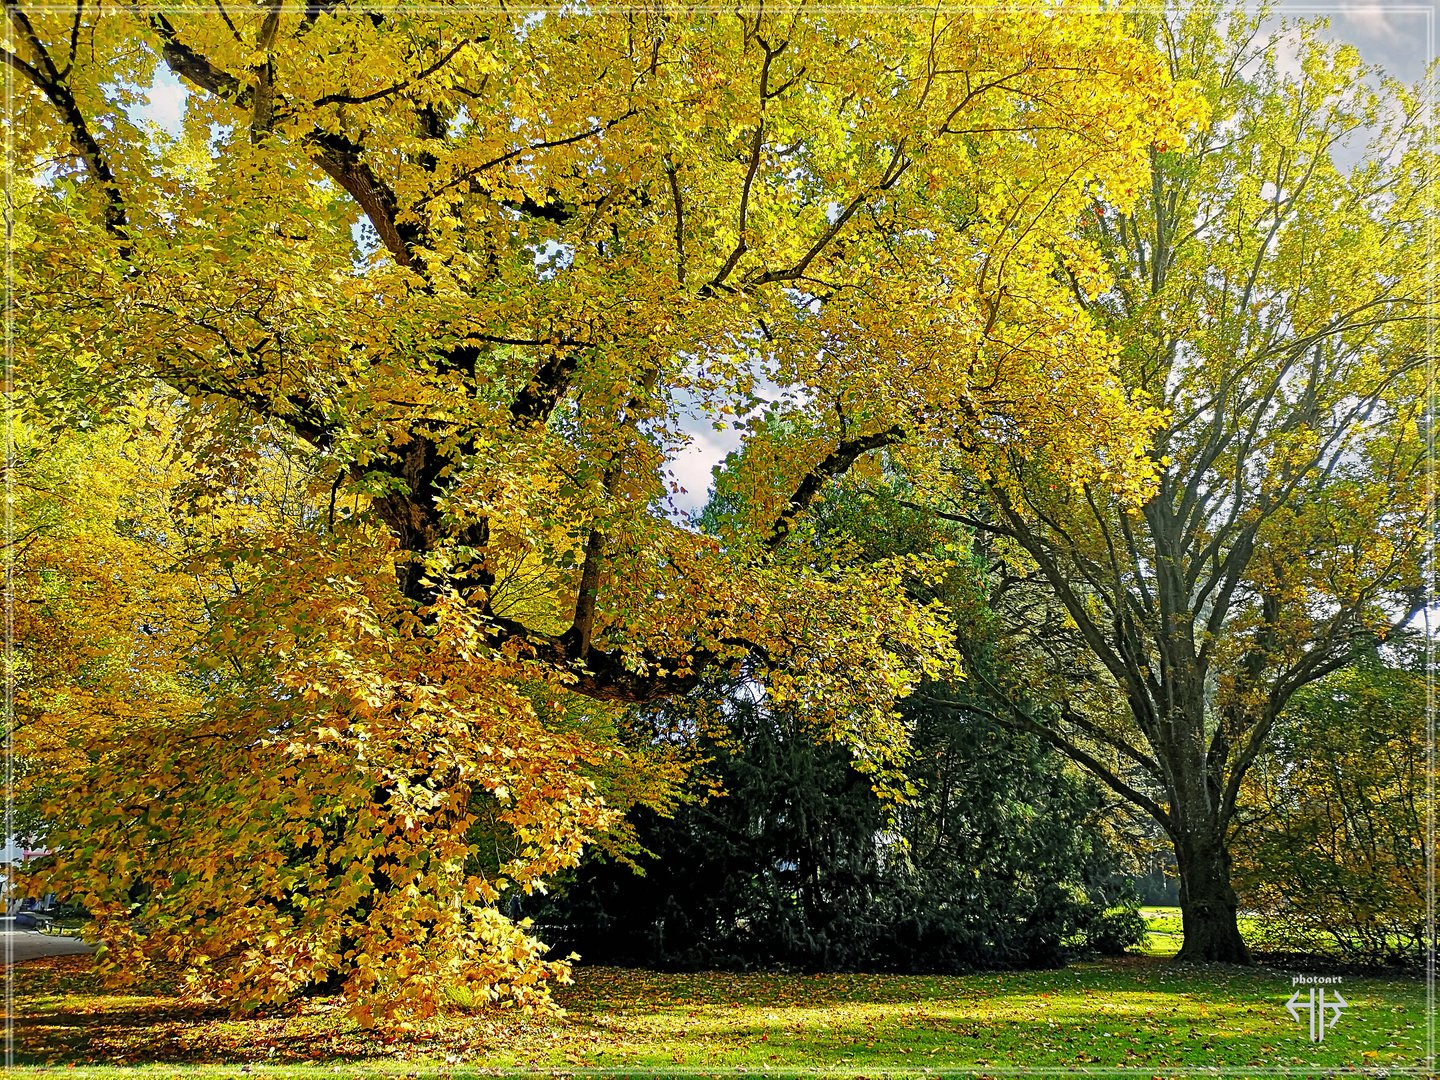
(575, 233)
(1333, 843)
(1271, 301)
(106, 611)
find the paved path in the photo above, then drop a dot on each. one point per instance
(22, 945)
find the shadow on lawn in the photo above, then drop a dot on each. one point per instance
(1132, 1011)
(63, 1014)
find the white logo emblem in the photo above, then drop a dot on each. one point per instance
(1323, 1010)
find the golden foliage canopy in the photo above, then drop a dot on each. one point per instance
(487, 272)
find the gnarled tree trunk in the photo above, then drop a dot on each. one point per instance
(1208, 902)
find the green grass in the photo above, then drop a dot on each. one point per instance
(1163, 935)
(1135, 1013)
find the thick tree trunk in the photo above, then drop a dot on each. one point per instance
(1208, 903)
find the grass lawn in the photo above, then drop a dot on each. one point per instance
(1137, 1013)
(1163, 935)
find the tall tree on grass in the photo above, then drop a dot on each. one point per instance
(1271, 290)
(574, 231)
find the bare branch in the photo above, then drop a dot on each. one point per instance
(1015, 716)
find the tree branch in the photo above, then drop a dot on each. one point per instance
(889, 178)
(1018, 717)
(188, 64)
(756, 145)
(46, 77)
(365, 99)
(263, 114)
(520, 151)
(341, 159)
(548, 383)
(671, 175)
(342, 162)
(835, 464)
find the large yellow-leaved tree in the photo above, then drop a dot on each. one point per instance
(484, 270)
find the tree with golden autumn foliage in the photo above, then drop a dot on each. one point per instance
(483, 270)
(180, 747)
(1272, 288)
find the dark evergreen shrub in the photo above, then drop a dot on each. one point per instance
(799, 865)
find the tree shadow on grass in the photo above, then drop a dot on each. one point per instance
(63, 1014)
(1120, 1013)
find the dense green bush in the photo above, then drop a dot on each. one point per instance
(1115, 931)
(800, 865)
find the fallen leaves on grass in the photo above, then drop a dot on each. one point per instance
(1139, 1014)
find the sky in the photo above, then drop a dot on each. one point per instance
(1399, 37)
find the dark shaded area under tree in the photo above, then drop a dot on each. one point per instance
(995, 863)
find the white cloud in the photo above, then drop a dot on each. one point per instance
(1286, 54)
(164, 102)
(1396, 36)
(1371, 20)
(693, 467)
